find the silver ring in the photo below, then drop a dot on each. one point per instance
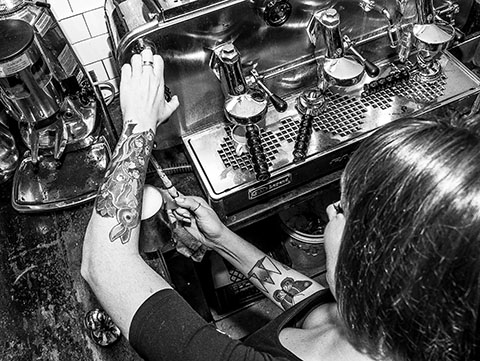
(147, 63)
(196, 208)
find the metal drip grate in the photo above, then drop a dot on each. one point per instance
(412, 89)
(343, 115)
(422, 92)
(230, 158)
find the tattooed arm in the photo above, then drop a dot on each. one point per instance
(111, 262)
(281, 284)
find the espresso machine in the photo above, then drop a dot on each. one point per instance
(65, 132)
(342, 68)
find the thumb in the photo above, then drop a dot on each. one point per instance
(172, 105)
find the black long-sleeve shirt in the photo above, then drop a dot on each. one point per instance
(165, 328)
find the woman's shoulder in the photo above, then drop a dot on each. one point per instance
(321, 337)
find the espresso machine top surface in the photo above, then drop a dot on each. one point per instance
(349, 116)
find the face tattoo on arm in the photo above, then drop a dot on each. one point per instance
(267, 274)
(121, 191)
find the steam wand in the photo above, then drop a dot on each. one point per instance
(370, 68)
(278, 103)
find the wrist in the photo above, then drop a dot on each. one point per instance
(225, 238)
(140, 124)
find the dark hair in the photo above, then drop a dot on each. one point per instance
(407, 276)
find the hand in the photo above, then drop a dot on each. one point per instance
(205, 224)
(142, 89)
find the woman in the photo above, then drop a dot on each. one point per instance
(402, 251)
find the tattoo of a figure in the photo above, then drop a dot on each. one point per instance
(262, 271)
(121, 192)
(289, 288)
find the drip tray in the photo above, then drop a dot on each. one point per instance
(350, 114)
(53, 184)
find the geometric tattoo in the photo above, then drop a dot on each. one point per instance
(289, 288)
(262, 270)
(121, 193)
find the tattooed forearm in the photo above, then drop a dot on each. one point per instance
(121, 192)
(266, 272)
(289, 288)
(262, 271)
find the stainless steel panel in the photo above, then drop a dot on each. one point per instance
(348, 118)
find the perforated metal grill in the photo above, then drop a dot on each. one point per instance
(421, 92)
(343, 115)
(230, 158)
(412, 89)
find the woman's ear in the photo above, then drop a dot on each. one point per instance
(332, 241)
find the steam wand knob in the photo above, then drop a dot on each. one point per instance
(371, 69)
(278, 103)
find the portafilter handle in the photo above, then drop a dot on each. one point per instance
(246, 110)
(255, 148)
(309, 104)
(243, 105)
(303, 137)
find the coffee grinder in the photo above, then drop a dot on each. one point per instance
(61, 119)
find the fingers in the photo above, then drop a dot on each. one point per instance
(169, 109)
(195, 205)
(147, 61)
(125, 76)
(158, 66)
(136, 63)
(182, 214)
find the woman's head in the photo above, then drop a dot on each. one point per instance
(407, 277)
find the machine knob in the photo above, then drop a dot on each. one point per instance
(275, 12)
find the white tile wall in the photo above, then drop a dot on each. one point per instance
(83, 23)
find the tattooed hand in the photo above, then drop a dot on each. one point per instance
(142, 96)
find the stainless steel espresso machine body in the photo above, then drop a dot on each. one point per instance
(56, 109)
(343, 68)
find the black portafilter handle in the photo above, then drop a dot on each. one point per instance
(255, 148)
(303, 137)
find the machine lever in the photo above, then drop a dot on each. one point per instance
(370, 68)
(278, 103)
